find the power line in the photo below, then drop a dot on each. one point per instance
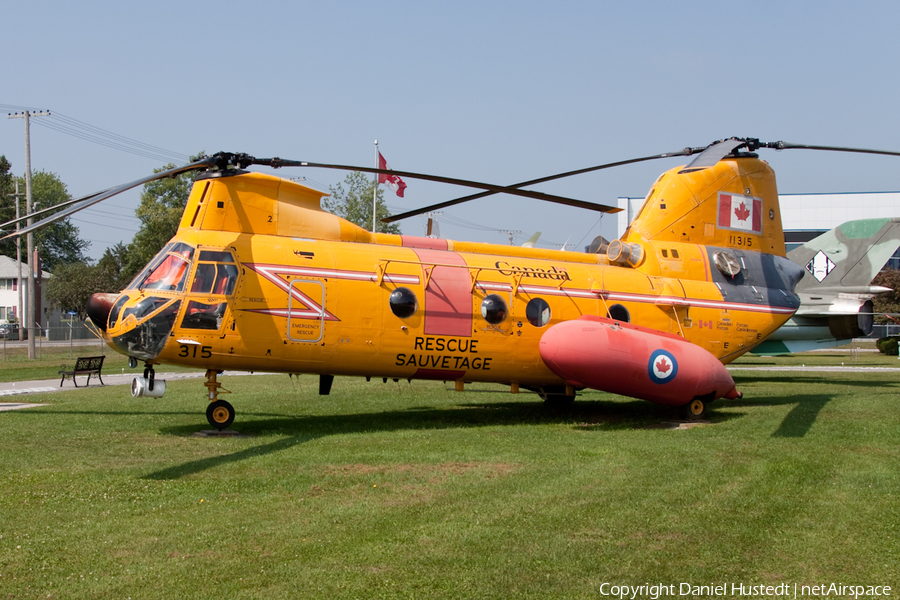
(97, 135)
(102, 224)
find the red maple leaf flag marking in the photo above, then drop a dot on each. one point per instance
(739, 213)
(663, 366)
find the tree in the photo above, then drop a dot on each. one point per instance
(73, 283)
(57, 243)
(162, 204)
(355, 202)
(7, 204)
(888, 302)
(71, 286)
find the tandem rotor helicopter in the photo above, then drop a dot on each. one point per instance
(260, 278)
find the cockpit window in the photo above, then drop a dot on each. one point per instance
(169, 275)
(200, 315)
(217, 276)
(216, 256)
(167, 270)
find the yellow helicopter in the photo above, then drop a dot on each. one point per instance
(260, 278)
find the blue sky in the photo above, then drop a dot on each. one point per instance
(489, 91)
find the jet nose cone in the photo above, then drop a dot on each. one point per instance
(98, 308)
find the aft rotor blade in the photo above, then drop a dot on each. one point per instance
(496, 189)
(99, 197)
(440, 205)
(789, 146)
(715, 153)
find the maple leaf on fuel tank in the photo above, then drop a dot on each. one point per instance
(663, 366)
(741, 212)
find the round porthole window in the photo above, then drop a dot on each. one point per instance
(403, 302)
(493, 309)
(537, 311)
(619, 313)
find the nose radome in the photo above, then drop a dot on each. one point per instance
(98, 308)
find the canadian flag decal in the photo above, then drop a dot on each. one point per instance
(740, 213)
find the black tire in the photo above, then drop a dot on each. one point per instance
(220, 414)
(695, 410)
(558, 401)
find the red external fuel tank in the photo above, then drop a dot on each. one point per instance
(635, 361)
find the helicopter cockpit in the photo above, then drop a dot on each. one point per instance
(143, 316)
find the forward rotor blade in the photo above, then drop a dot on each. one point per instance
(496, 189)
(46, 210)
(99, 197)
(419, 211)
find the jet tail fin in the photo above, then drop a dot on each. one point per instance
(848, 256)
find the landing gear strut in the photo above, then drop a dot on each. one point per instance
(557, 397)
(219, 413)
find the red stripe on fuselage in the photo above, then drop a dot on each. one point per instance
(448, 297)
(411, 241)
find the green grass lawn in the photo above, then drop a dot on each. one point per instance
(413, 491)
(16, 366)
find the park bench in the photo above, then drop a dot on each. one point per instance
(86, 365)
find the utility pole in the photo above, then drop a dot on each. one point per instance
(29, 208)
(18, 265)
(512, 233)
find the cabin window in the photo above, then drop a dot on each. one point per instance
(537, 311)
(200, 315)
(665, 253)
(675, 253)
(493, 309)
(403, 302)
(618, 312)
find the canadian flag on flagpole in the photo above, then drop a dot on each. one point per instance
(741, 213)
(395, 182)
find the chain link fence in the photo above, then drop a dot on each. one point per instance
(72, 335)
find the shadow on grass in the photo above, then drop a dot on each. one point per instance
(197, 466)
(799, 420)
(828, 378)
(584, 415)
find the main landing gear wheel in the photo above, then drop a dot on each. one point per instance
(220, 414)
(558, 401)
(556, 397)
(695, 410)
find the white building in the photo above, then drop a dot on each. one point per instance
(806, 216)
(9, 289)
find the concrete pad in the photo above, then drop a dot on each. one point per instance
(213, 433)
(17, 405)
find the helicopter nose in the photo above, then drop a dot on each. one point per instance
(98, 308)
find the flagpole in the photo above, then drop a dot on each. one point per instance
(375, 191)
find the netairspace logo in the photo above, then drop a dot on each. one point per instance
(735, 590)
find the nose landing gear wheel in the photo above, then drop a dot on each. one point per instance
(220, 414)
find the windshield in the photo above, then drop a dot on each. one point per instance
(168, 270)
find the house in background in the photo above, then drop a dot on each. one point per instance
(9, 290)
